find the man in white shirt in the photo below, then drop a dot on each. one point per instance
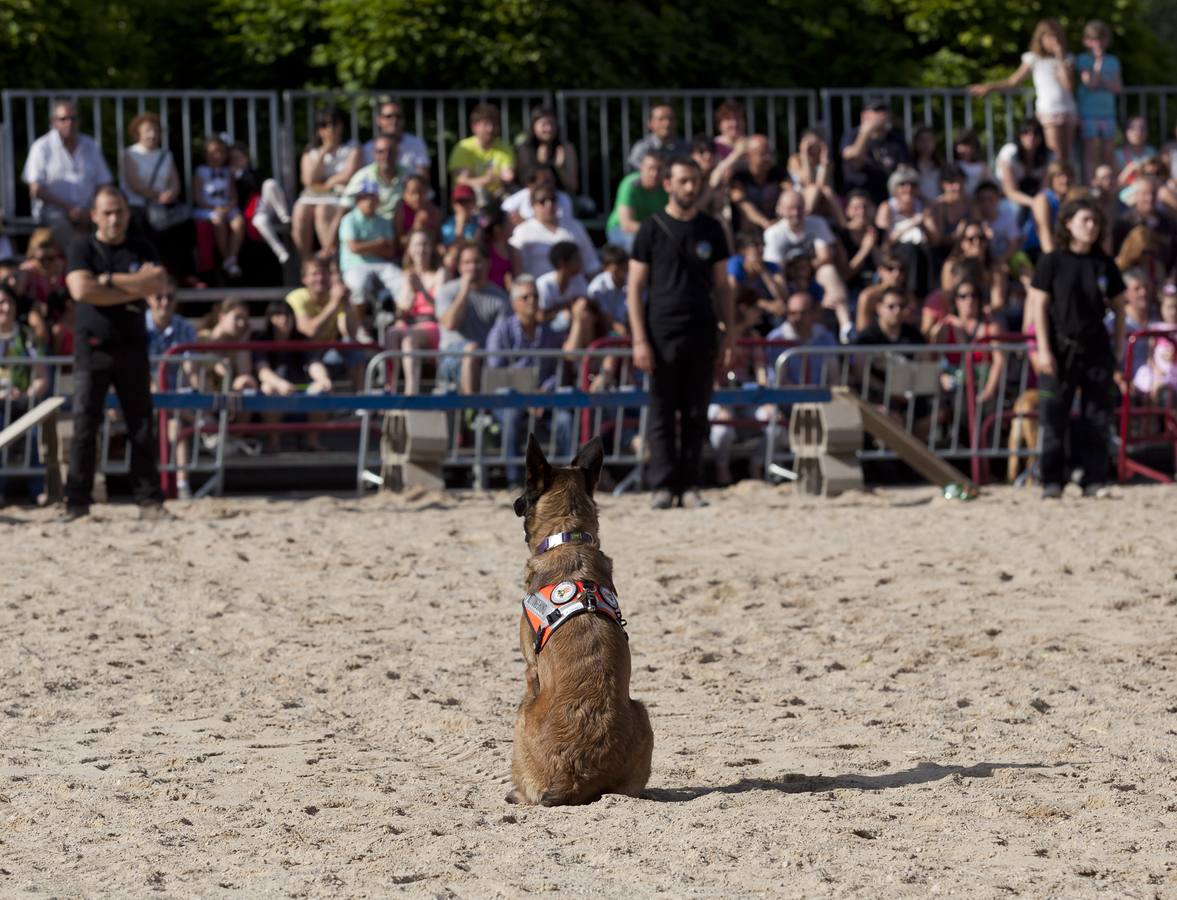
(412, 154)
(799, 234)
(535, 237)
(63, 171)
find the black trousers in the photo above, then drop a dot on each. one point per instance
(1092, 377)
(680, 390)
(95, 371)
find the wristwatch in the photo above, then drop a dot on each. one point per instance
(105, 279)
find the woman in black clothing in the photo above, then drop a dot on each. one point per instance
(1073, 287)
(543, 146)
(285, 372)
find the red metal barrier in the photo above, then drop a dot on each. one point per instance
(1126, 466)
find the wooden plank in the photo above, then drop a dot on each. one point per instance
(912, 451)
(31, 419)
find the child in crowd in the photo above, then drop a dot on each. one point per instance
(415, 326)
(1099, 83)
(264, 201)
(1158, 379)
(560, 288)
(966, 153)
(503, 260)
(367, 246)
(281, 373)
(216, 203)
(607, 289)
(1054, 83)
(1132, 156)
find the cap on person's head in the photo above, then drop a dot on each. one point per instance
(462, 192)
(876, 104)
(368, 187)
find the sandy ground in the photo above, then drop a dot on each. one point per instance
(886, 695)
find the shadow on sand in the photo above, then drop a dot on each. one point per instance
(805, 784)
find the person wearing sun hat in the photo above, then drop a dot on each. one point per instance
(367, 246)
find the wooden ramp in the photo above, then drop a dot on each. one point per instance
(44, 413)
(912, 451)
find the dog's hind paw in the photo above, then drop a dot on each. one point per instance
(514, 796)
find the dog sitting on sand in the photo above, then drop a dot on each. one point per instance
(578, 734)
(1023, 432)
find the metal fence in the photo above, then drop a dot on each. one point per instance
(602, 125)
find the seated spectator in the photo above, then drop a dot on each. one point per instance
(808, 236)
(543, 148)
(386, 173)
(1162, 232)
(711, 200)
(802, 328)
(861, 242)
(495, 237)
(415, 213)
(563, 297)
(325, 168)
(523, 329)
(467, 308)
(950, 208)
(909, 229)
(1131, 156)
(892, 328)
(462, 224)
(661, 140)
(482, 161)
(872, 151)
(518, 205)
(281, 373)
(367, 248)
(535, 237)
(966, 154)
(63, 170)
(607, 289)
(228, 323)
(927, 160)
(1102, 190)
(1021, 165)
(1039, 229)
(29, 313)
(639, 195)
(415, 325)
(1158, 379)
(989, 275)
(152, 186)
(748, 269)
(999, 221)
(968, 323)
(321, 310)
(214, 198)
(731, 127)
(892, 276)
(165, 330)
(412, 156)
(21, 386)
(756, 183)
(263, 202)
(811, 173)
(43, 273)
(1138, 316)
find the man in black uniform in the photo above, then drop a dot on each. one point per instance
(679, 254)
(109, 276)
(1072, 289)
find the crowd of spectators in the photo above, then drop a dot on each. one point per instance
(872, 240)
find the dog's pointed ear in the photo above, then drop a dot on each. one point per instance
(589, 459)
(538, 477)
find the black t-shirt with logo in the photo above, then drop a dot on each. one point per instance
(681, 256)
(1079, 286)
(120, 325)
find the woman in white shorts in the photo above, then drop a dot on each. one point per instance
(1053, 70)
(326, 167)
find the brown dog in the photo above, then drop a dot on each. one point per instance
(1023, 432)
(578, 734)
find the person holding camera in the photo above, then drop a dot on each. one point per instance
(873, 151)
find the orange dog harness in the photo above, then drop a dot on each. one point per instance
(554, 604)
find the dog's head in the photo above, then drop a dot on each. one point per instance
(559, 499)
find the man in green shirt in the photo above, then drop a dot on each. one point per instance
(639, 196)
(483, 161)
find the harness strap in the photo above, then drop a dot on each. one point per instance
(554, 604)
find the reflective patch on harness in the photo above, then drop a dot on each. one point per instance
(609, 597)
(563, 592)
(554, 604)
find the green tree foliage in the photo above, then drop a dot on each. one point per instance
(559, 43)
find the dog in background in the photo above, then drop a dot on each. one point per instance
(578, 734)
(1023, 432)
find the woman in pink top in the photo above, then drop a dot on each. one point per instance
(503, 260)
(416, 325)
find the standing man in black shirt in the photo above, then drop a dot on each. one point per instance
(109, 276)
(679, 259)
(1072, 289)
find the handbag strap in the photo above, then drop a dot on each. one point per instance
(163, 156)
